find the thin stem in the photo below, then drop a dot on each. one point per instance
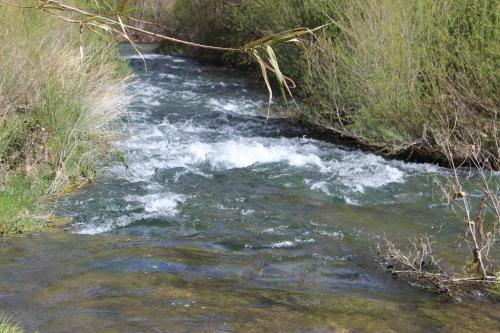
(79, 11)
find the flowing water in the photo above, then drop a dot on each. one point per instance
(220, 222)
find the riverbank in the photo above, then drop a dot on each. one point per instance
(407, 79)
(60, 94)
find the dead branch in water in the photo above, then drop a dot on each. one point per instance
(477, 208)
(479, 211)
(418, 265)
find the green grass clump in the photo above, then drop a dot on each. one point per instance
(7, 326)
(57, 104)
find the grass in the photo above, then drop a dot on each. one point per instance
(495, 290)
(7, 326)
(58, 104)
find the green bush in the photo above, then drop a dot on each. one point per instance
(409, 74)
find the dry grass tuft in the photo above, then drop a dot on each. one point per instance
(60, 97)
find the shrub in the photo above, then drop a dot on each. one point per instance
(409, 74)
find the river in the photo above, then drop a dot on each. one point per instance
(221, 222)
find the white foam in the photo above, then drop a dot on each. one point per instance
(355, 171)
(246, 152)
(153, 56)
(182, 145)
(358, 171)
(146, 56)
(280, 245)
(178, 60)
(280, 230)
(95, 227)
(237, 106)
(229, 106)
(246, 212)
(157, 204)
(307, 240)
(168, 76)
(191, 84)
(351, 201)
(335, 234)
(165, 204)
(148, 94)
(290, 244)
(321, 186)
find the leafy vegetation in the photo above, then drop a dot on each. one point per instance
(230, 23)
(59, 93)
(410, 75)
(117, 20)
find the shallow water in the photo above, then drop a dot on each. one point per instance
(223, 223)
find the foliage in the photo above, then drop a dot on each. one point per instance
(117, 20)
(57, 100)
(430, 64)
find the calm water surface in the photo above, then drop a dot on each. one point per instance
(221, 223)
